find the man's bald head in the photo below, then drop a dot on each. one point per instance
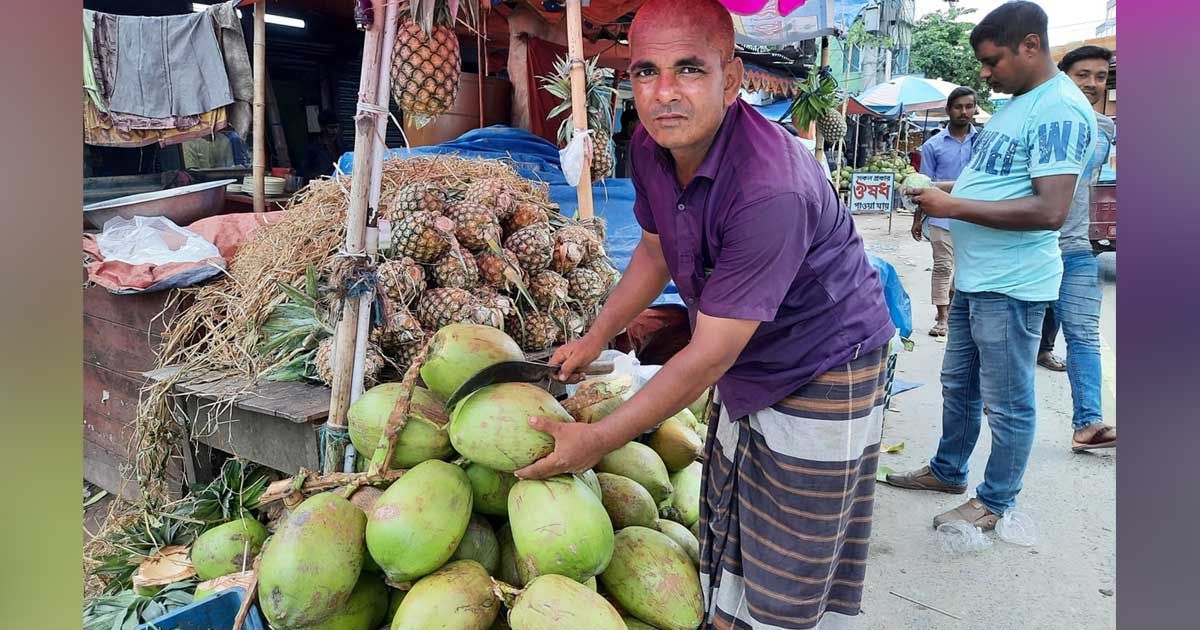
(708, 20)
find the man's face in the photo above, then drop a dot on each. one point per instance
(1091, 75)
(1005, 69)
(961, 111)
(681, 86)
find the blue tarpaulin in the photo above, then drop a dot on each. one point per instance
(537, 159)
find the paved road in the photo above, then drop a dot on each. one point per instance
(1056, 584)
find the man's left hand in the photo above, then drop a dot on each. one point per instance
(576, 449)
(933, 201)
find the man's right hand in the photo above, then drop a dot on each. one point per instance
(573, 355)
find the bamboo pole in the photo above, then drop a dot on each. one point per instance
(260, 104)
(820, 137)
(356, 222)
(579, 114)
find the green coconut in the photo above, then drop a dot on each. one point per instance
(458, 351)
(424, 436)
(458, 596)
(682, 537)
(227, 548)
(559, 526)
(554, 602)
(591, 583)
(641, 464)
(364, 499)
(309, 569)
(479, 543)
(626, 501)
(676, 443)
(420, 520)
(653, 579)
(366, 609)
(633, 623)
(490, 489)
(699, 408)
(686, 499)
(510, 572)
(491, 426)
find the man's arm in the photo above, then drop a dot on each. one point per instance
(1045, 209)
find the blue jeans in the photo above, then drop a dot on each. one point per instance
(991, 353)
(1078, 312)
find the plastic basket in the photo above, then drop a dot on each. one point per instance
(217, 611)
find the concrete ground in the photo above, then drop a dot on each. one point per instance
(1067, 579)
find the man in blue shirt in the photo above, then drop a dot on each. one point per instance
(942, 158)
(1006, 209)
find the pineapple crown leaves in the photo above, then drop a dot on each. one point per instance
(128, 609)
(598, 89)
(430, 13)
(815, 96)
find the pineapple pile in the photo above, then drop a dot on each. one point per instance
(600, 94)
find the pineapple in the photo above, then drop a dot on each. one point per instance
(323, 363)
(596, 225)
(523, 215)
(400, 280)
(607, 272)
(533, 247)
(599, 95)
(495, 301)
(570, 323)
(437, 308)
(457, 269)
(405, 355)
(586, 286)
(494, 194)
(832, 124)
(419, 197)
(592, 245)
(400, 327)
(565, 257)
(548, 289)
(475, 226)
(500, 271)
(533, 331)
(422, 236)
(425, 65)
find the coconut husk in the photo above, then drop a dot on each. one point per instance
(165, 566)
(226, 582)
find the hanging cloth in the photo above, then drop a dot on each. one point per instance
(168, 66)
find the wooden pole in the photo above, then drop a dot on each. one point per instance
(260, 104)
(820, 137)
(579, 114)
(356, 222)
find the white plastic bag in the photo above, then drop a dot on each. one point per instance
(1017, 528)
(960, 537)
(152, 240)
(574, 156)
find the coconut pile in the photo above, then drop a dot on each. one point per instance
(456, 541)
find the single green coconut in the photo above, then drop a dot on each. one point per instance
(686, 499)
(458, 351)
(641, 464)
(513, 570)
(676, 443)
(490, 489)
(559, 526)
(227, 548)
(554, 602)
(458, 596)
(653, 579)
(491, 426)
(626, 501)
(633, 623)
(479, 544)
(699, 407)
(424, 436)
(309, 569)
(419, 521)
(366, 609)
(682, 537)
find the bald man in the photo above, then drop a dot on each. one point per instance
(788, 320)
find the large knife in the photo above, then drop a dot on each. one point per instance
(518, 372)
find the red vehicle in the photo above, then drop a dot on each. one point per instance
(1103, 230)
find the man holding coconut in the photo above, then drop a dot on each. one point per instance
(788, 319)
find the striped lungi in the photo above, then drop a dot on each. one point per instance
(788, 494)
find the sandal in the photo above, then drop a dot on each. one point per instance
(1051, 362)
(1106, 437)
(938, 330)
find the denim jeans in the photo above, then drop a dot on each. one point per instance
(991, 353)
(1078, 312)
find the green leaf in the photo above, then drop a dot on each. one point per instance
(296, 295)
(895, 448)
(310, 282)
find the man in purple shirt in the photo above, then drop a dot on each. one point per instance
(942, 159)
(788, 320)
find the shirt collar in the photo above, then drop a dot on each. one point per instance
(971, 131)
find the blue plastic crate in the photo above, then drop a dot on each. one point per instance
(211, 613)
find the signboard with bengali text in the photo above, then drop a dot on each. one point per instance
(872, 193)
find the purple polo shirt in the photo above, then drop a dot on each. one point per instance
(758, 234)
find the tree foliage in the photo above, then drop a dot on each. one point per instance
(941, 48)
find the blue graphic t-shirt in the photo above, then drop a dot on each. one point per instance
(1050, 130)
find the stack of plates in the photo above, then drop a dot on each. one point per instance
(233, 188)
(272, 186)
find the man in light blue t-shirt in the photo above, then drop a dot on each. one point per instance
(1006, 208)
